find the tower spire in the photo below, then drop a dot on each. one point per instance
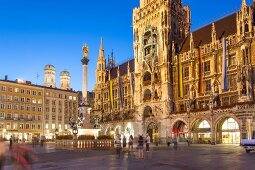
(101, 51)
(244, 3)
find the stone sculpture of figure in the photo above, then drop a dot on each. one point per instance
(243, 79)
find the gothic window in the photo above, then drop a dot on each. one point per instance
(232, 60)
(147, 95)
(208, 85)
(207, 66)
(186, 72)
(147, 111)
(232, 82)
(147, 79)
(246, 28)
(186, 89)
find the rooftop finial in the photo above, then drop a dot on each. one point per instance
(243, 3)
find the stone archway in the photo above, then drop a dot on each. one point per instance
(180, 130)
(153, 132)
(228, 130)
(201, 131)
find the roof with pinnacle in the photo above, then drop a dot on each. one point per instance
(123, 69)
(49, 67)
(225, 26)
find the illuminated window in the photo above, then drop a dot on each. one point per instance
(46, 126)
(53, 126)
(15, 125)
(39, 101)
(34, 101)
(204, 124)
(1, 115)
(8, 125)
(16, 90)
(230, 124)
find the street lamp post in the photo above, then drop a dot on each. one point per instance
(75, 139)
(212, 116)
(188, 112)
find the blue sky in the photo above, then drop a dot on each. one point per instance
(34, 33)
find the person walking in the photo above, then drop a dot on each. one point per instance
(124, 142)
(130, 143)
(2, 155)
(169, 141)
(175, 143)
(147, 141)
(118, 145)
(140, 147)
(11, 140)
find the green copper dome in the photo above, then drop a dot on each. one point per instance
(65, 73)
(49, 67)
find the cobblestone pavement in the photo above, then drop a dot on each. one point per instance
(219, 157)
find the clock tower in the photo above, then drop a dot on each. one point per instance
(158, 27)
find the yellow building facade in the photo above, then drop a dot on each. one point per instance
(60, 106)
(21, 109)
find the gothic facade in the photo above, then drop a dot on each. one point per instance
(197, 85)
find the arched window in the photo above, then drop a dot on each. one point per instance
(147, 79)
(230, 124)
(147, 111)
(246, 28)
(147, 95)
(204, 124)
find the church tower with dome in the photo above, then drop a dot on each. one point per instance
(65, 80)
(50, 76)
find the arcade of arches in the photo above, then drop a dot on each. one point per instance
(227, 131)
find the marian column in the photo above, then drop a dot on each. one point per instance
(85, 62)
(84, 109)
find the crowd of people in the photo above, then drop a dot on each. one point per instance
(140, 144)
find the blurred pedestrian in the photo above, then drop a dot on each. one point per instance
(147, 141)
(23, 156)
(11, 140)
(130, 143)
(169, 141)
(140, 147)
(118, 145)
(2, 154)
(124, 142)
(175, 143)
